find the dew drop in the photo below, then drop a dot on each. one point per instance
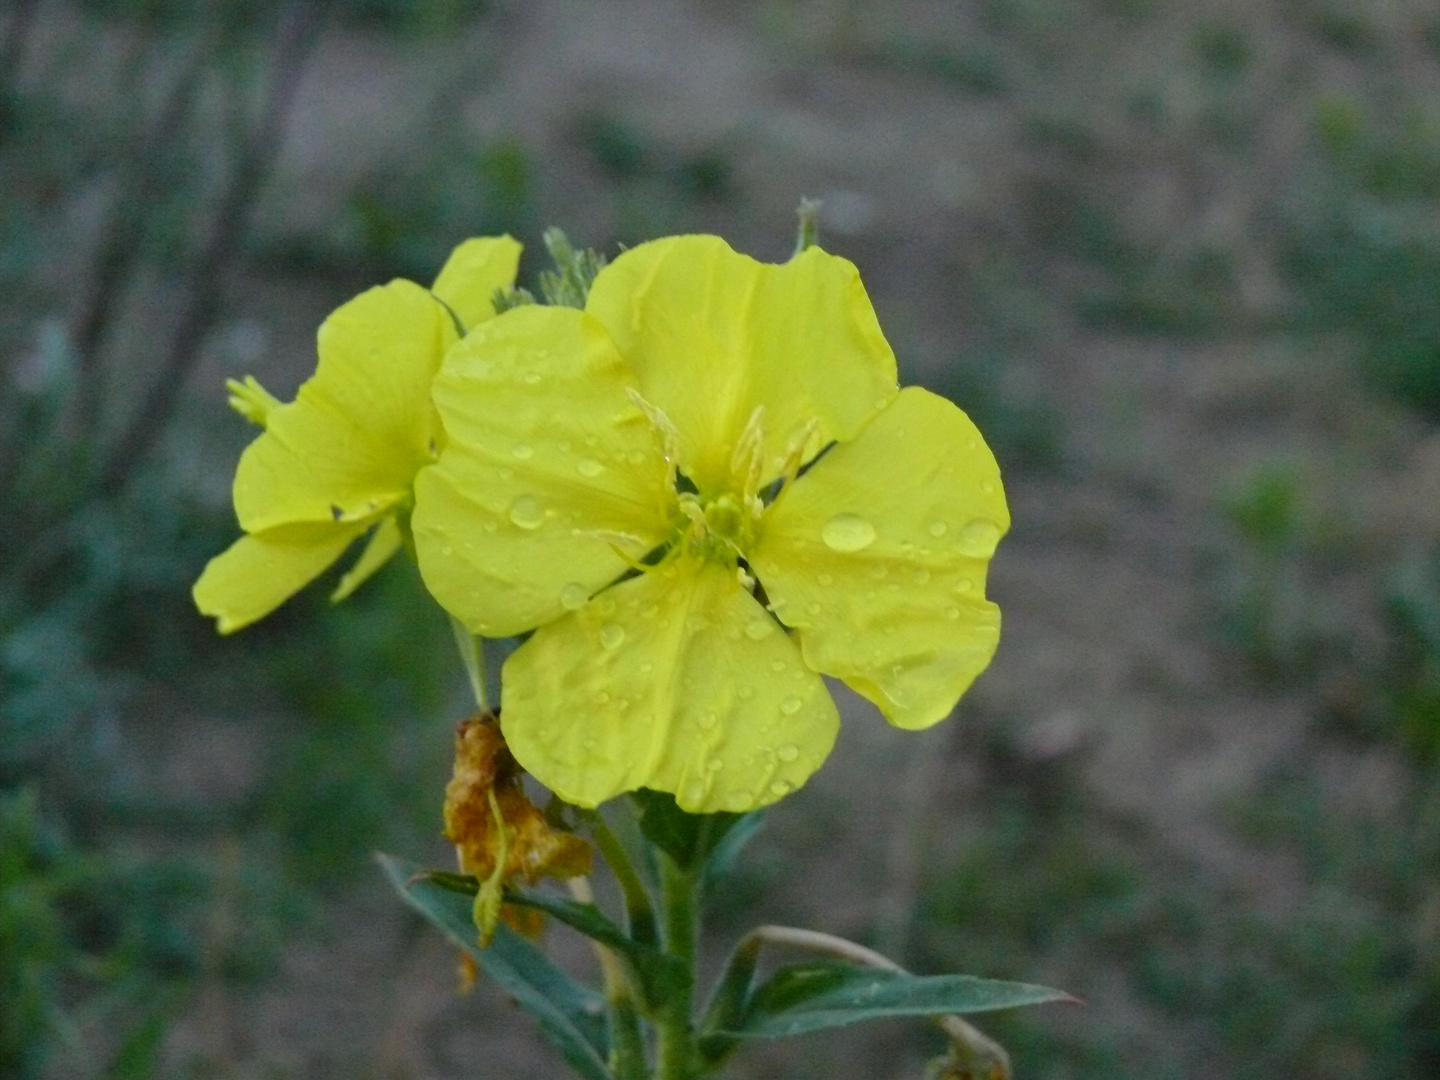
(573, 596)
(745, 693)
(531, 378)
(952, 613)
(589, 468)
(781, 787)
(612, 635)
(921, 576)
(602, 696)
(987, 486)
(790, 706)
(938, 529)
(527, 513)
(636, 457)
(758, 629)
(879, 571)
(447, 551)
(978, 539)
(708, 720)
(714, 765)
(564, 446)
(788, 752)
(646, 667)
(491, 527)
(964, 585)
(847, 532)
(522, 451)
(824, 580)
(741, 801)
(777, 666)
(813, 608)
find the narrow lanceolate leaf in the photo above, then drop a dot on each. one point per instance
(660, 976)
(801, 998)
(571, 1016)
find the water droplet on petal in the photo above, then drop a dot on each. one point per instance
(824, 580)
(790, 706)
(522, 451)
(564, 446)
(573, 596)
(612, 635)
(714, 765)
(921, 576)
(781, 787)
(987, 486)
(636, 457)
(847, 532)
(788, 752)
(694, 793)
(589, 468)
(938, 529)
(978, 539)
(745, 693)
(741, 801)
(777, 666)
(813, 608)
(708, 720)
(527, 513)
(963, 586)
(531, 378)
(646, 667)
(759, 629)
(952, 613)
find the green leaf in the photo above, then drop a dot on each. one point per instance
(660, 976)
(801, 998)
(727, 849)
(571, 1016)
(686, 838)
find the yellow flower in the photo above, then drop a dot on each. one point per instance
(340, 460)
(620, 476)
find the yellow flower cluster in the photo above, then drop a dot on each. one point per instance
(701, 492)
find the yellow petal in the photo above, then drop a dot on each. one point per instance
(550, 466)
(258, 573)
(349, 445)
(877, 557)
(676, 680)
(473, 272)
(713, 335)
(383, 543)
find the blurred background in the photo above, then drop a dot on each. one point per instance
(1180, 261)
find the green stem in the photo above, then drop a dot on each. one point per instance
(627, 1045)
(677, 1059)
(472, 655)
(639, 912)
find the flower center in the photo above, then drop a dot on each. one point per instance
(721, 528)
